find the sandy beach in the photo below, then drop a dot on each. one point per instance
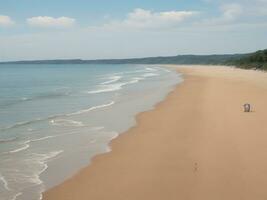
(197, 144)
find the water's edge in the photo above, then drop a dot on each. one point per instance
(117, 137)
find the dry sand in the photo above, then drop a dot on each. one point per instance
(198, 144)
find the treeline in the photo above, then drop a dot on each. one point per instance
(257, 60)
(180, 59)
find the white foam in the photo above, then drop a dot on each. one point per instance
(26, 146)
(151, 69)
(150, 74)
(115, 134)
(16, 195)
(66, 122)
(44, 138)
(5, 183)
(97, 128)
(48, 157)
(114, 87)
(29, 175)
(113, 79)
(107, 88)
(91, 109)
(62, 135)
(131, 72)
(42, 159)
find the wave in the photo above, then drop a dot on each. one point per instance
(91, 109)
(106, 88)
(20, 124)
(150, 75)
(115, 135)
(37, 162)
(4, 181)
(165, 70)
(61, 135)
(49, 156)
(136, 71)
(43, 158)
(26, 146)
(44, 138)
(66, 122)
(114, 87)
(151, 69)
(113, 79)
(97, 128)
(16, 195)
(49, 95)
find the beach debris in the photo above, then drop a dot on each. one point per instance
(247, 107)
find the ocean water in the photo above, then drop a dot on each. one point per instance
(55, 118)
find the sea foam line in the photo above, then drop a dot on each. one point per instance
(107, 88)
(19, 124)
(27, 143)
(66, 122)
(150, 74)
(45, 138)
(114, 87)
(136, 71)
(16, 195)
(5, 183)
(34, 178)
(151, 69)
(26, 146)
(113, 79)
(91, 109)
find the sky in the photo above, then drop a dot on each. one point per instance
(101, 29)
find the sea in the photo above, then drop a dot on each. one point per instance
(55, 117)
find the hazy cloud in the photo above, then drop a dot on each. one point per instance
(6, 21)
(51, 22)
(146, 19)
(231, 11)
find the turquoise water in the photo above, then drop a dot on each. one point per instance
(54, 118)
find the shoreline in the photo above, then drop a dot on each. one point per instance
(159, 164)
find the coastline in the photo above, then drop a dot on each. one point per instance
(184, 146)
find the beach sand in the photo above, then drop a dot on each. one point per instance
(197, 144)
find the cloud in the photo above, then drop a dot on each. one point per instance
(250, 7)
(51, 22)
(147, 19)
(231, 11)
(6, 21)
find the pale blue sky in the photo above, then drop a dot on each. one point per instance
(91, 29)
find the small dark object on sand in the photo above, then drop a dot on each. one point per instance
(247, 107)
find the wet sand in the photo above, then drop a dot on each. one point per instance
(197, 144)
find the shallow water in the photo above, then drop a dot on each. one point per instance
(54, 118)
